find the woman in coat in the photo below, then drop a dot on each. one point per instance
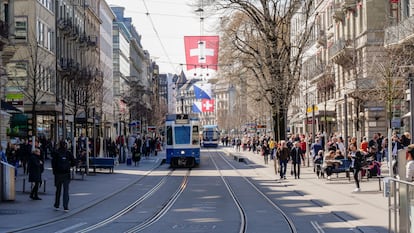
(35, 169)
(356, 163)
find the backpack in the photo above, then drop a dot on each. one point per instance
(63, 162)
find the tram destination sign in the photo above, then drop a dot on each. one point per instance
(181, 119)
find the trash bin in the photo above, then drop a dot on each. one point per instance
(8, 185)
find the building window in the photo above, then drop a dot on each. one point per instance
(48, 4)
(20, 29)
(40, 33)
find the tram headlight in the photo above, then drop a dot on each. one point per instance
(183, 152)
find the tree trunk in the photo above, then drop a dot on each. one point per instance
(279, 120)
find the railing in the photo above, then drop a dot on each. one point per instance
(397, 33)
(338, 46)
(400, 204)
(92, 41)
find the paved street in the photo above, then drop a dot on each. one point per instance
(367, 210)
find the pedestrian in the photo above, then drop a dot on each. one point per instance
(409, 174)
(265, 152)
(356, 164)
(3, 155)
(282, 155)
(136, 154)
(62, 161)
(35, 168)
(318, 161)
(296, 155)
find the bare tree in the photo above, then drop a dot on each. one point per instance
(32, 72)
(260, 47)
(392, 67)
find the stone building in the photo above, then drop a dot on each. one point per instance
(339, 70)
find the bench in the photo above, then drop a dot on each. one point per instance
(98, 162)
(344, 167)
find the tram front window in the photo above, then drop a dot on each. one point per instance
(182, 134)
(169, 135)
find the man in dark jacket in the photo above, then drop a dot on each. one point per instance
(297, 156)
(35, 169)
(62, 161)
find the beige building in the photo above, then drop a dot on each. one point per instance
(78, 62)
(339, 70)
(30, 64)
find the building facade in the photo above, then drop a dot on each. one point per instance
(339, 71)
(106, 56)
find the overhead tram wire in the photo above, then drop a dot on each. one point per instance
(159, 38)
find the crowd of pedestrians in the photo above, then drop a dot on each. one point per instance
(327, 153)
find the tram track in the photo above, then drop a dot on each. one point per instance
(243, 215)
(129, 207)
(165, 207)
(51, 222)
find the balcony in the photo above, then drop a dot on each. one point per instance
(338, 13)
(342, 53)
(92, 41)
(349, 5)
(401, 33)
(82, 39)
(74, 33)
(65, 25)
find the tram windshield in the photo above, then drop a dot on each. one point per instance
(182, 134)
(169, 135)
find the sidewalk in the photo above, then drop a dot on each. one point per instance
(24, 212)
(366, 210)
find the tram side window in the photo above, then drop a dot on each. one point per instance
(169, 135)
(196, 137)
(182, 134)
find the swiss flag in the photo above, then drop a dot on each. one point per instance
(201, 51)
(207, 105)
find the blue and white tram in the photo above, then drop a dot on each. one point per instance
(183, 142)
(211, 136)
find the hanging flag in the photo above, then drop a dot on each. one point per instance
(197, 107)
(207, 105)
(202, 91)
(201, 52)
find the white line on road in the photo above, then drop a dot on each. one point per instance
(317, 227)
(71, 227)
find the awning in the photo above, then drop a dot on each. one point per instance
(9, 108)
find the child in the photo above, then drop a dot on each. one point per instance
(318, 160)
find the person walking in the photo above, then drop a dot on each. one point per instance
(265, 152)
(136, 154)
(282, 155)
(297, 156)
(356, 164)
(62, 161)
(35, 169)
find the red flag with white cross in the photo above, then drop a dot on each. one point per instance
(207, 105)
(201, 52)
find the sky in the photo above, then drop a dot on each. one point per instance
(164, 28)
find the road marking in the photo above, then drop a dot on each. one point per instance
(317, 227)
(71, 228)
